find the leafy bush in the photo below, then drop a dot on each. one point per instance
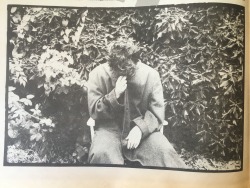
(16, 155)
(198, 50)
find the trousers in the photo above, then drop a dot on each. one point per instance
(153, 151)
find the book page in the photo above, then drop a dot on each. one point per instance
(50, 48)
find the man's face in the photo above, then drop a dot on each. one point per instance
(126, 68)
(120, 61)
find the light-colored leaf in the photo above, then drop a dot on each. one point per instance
(30, 96)
(67, 32)
(38, 137)
(33, 137)
(12, 133)
(29, 39)
(66, 39)
(11, 88)
(13, 9)
(224, 83)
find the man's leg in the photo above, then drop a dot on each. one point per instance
(106, 148)
(156, 150)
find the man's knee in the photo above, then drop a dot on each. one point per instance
(105, 156)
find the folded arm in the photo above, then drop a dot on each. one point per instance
(154, 116)
(101, 105)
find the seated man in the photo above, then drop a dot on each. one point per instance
(125, 99)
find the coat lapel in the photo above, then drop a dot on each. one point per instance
(126, 117)
(112, 75)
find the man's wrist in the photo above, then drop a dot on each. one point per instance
(111, 97)
(139, 129)
(117, 95)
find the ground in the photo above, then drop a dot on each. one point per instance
(199, 162)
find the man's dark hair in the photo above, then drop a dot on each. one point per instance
(123, 56)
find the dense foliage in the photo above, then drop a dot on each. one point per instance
(198, 50)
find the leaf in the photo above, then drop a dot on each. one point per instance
(12, 133)
(185, 113)
(33, 137)
(27, 102)
(12, 123)
(37, 9)
(83, 15)
(201, 132)
(173, 108)
(38, 137)
(13, 9)
(179, 26)
(240, 78)
(229, 126)
(15, 115)
(158, 25)
(197, 81)
(29, 39)
(197, 110)
(34, 130)
(201, 140)
(159, 35)
(62, 33)
(67, 32)
(11, 89)
(36, 125)
(229, 90)
(26, 18)
(66, 39)
(30, 96)
(224, 84)
(183, 48)
(40, 85)
(172, 36)
(65, 22)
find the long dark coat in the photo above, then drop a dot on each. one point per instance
(142, 106)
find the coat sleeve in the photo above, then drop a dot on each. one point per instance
(100, 104)
(154, 116)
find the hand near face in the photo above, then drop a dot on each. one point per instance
(134, 138)
(120, 86)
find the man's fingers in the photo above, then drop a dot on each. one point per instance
(136, 145)
(128, 142)
(134, 139)
(132, 144)
(124, 87)
(122, 78)
(123, 82)
(129, 145)
(119, 79)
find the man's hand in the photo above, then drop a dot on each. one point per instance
(120, 86)
(134, 138)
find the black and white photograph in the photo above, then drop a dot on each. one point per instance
(156, 87)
